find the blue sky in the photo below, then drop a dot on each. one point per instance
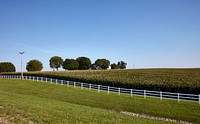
(143, 33)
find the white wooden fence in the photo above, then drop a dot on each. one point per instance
(145, 93)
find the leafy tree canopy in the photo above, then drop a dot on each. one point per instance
(84, 63)
(114, 66)
(70, 64)
(34, 65)
(121, 65)
(55, 62)
(102, 63)
(7, 67)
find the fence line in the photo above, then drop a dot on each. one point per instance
(145, 93)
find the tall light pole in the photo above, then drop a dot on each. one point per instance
(21, 65)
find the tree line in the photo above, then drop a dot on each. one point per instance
(84, 63)
(56, 62)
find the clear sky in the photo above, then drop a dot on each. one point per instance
(143, 33)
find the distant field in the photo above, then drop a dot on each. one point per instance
(173, 80)
(39, 102)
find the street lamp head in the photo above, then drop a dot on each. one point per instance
(21, 52)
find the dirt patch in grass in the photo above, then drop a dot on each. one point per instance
(4, 120)
(154, 118)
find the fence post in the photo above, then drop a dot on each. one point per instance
(108, 89)
(51, 81)
(68, 83)
(37, 79)
(81, 85)
(90, 86)
(46, 80)
(178, 97)
(131, 92)
(61, 82)
(119, 91)
(160, 95)
(56, 82)
(199, 99)
(74, 84)
(144, 93)
(98, 88)
(42, 79)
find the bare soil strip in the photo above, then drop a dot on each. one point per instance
(4, 121)
(155, 118)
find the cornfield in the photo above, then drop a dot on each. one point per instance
(170, 80)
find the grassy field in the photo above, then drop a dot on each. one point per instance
(25, 101)
(171, 80)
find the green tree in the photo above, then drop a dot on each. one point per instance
(102, 63)
(121, 65)
(7, 67)
(84, 63)
(55, 62)
(34, 65)
(114, 66)
(70, 64)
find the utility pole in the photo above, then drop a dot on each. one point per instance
(21, 65)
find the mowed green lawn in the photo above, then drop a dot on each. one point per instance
(39, 102)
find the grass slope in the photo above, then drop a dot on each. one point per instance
(50, 103)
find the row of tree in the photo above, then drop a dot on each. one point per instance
(83, 63)
(55, 62)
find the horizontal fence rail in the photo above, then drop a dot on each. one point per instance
(145, 93)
